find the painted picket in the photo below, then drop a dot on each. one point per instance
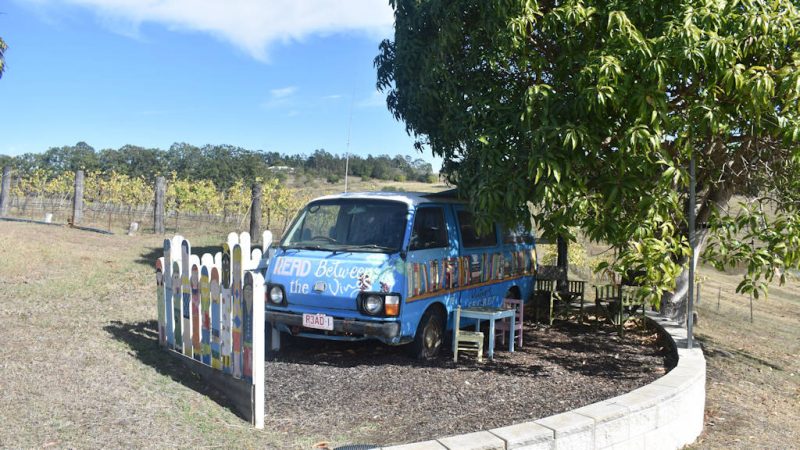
(216, 342)
(186, 292)
(205, 316)
(160, 300)
(177, 307)
(168, 325)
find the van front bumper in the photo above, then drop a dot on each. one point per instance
(388, 332)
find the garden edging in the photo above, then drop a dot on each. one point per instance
(665, 414)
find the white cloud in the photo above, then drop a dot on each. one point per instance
(374, 100)
(252, 25)
(283, 92)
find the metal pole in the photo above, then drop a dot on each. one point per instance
(692, 199)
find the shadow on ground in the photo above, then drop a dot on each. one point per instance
(150, 255)
(142, 339)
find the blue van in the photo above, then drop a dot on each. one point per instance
(391, 267)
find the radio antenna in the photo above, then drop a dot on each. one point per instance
(347, 150)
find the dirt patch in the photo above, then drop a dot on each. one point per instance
(381, 396)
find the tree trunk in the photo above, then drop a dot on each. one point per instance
(158, 207)
(77, 199)
(5, 191)
(562, 262)
(674, 304)
(255, 212)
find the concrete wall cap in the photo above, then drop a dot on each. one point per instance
(525, 434)
(481, 440)
(426, 445)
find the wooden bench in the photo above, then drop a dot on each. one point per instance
(556, 291)
(620, 302)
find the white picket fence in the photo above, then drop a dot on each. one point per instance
(211, 309)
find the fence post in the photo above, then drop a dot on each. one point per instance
(77, 199)
(255, 211)
(5, 192)
(158, 208)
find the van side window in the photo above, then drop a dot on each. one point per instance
(429, 229)
(470, 237)
(518, 235)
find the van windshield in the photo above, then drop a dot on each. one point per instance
(349, 225)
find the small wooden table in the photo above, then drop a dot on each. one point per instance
(491, 314)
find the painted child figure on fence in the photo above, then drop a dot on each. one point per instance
(162, 331)
(169, 337)
(236, 302)
(195, 282)
(247, 326)
(177, 310)
(225, 307)
(205, 316)
(216, 340)
(186, 289)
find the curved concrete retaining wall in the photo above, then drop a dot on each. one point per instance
(665, 414)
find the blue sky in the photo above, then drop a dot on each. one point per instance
(275, 75)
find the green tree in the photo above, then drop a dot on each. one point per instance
(3, 48)
(592, 110)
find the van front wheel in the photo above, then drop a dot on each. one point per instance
(428, 339)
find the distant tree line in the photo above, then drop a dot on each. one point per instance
(222, 164)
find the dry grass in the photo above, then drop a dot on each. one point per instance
(77, 371)
(68, 376)
(753, 383)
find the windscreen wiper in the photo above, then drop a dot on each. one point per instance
(367, 247)
(305, 247)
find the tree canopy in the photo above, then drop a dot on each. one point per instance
(224, 165)
(591, 111)
(3, 48)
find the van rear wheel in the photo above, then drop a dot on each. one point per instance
(430, 333)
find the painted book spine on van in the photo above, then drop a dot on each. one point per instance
(415, 278)
(435, 274)
(425, 278)
(409, 271)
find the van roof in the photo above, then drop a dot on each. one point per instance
(410, 198)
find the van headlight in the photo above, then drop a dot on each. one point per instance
(373, 304)
(275, 295)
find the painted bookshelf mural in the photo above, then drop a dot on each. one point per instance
(211, 312)
(457, 272)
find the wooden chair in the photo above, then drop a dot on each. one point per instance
(503, 327)
(604, 296)
(466, 341)
(543, 292)
(576, 291)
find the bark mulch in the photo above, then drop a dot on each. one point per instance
(369, 393)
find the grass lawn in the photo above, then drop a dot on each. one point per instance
(77, 371)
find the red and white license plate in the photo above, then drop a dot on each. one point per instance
(318, 321)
